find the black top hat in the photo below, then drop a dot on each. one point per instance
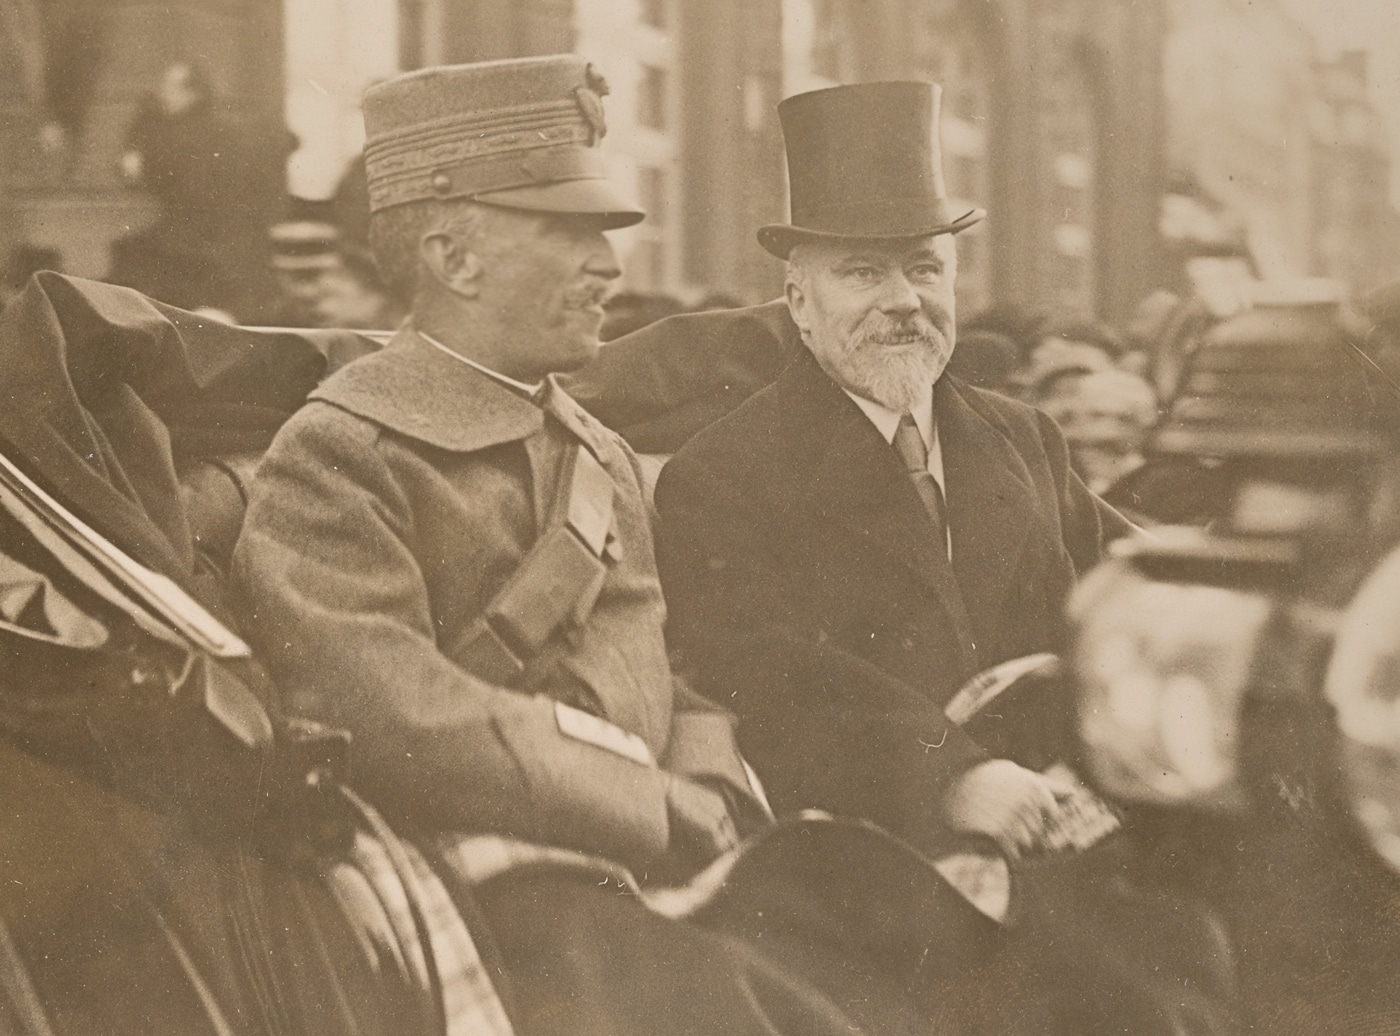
(864, 161)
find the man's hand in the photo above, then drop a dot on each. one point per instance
(1006, 802)
(701, 827)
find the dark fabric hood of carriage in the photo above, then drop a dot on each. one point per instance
(105, 394)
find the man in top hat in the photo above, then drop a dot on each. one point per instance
(444, 555)
(847, 548)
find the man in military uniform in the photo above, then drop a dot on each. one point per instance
(446, 556)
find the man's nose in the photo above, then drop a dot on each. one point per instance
(603, 262)
(899, 297)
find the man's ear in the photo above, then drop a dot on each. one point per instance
(451, 263)
(797, 304)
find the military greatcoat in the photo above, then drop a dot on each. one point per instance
(387, 513)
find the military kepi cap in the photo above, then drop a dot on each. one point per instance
(864, 161)
(522, 133)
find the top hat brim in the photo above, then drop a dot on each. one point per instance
(779, 238)
(587, 197)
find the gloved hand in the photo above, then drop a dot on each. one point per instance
(701, 827)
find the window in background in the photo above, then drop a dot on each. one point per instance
(652, 187)
(651, 99)
(654, 13)
(826, 39)
(1072, 139)
(951, 50)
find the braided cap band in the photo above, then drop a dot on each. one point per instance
(521, 133)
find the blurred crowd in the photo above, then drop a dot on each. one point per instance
(230, 243)
(1094, 380)
(225, 238)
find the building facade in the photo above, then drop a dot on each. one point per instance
(691, 127)
(1052, 121)
(1068, 120)
(1286, 147)
(1354, 233)
(72, 74)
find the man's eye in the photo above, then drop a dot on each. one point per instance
(863, 273)
(927, 271)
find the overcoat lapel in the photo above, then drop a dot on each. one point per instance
(857, 482)
(992, 505)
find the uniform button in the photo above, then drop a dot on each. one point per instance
(442, 183)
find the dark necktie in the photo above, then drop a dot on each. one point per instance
(909, 444)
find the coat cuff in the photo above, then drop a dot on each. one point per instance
(584, 792)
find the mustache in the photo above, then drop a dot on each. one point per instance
(879, 329)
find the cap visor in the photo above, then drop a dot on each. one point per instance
(779, 238)
(571, 197)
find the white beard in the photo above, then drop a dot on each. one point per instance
(895, 375)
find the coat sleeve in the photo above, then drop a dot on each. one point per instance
(703, 745)
(823, 727)
(333, 597)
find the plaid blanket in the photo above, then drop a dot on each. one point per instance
(471, 1005)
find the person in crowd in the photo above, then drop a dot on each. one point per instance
(353, 295)
(446, 556)
(1065, 343)
(302, 252)
(218, 183)
(179, 145)
(987, 360)
(853, 543)
(1018, 323)
(1105, 416)
(325, 281)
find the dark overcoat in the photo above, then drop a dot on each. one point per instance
(806, 587)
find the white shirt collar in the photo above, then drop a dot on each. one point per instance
(886, 421)
(529, 390)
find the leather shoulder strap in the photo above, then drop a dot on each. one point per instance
(587, 498)
(555, 585)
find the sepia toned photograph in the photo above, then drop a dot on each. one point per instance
(700, 517)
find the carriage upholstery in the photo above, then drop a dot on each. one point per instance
(129, 431)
